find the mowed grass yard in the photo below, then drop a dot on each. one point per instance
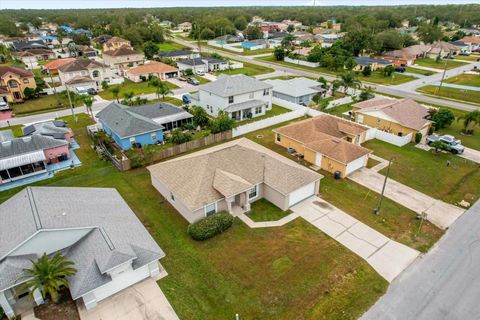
(275, 111)
(249, 69)
(264, 210)
(138, 88)
(452, 93)
(41, 104)
(16, 130)
(432, 63)
(429, 173)
(419, 71)
(291, 272)
(396, 221)
(470, 141)
(465, 80)
(170, 46)
(472, 57)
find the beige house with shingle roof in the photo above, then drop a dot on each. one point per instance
(399, 117)
(123, 57)
(229, 177)
(328, 142)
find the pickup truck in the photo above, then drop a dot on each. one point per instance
(451, 144)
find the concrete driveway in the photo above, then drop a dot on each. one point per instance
(471, 154)
(144, 300)
(389, 258)
(438, 212)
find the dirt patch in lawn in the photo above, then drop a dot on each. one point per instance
(66, 308)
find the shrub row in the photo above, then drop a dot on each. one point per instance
(210, 226)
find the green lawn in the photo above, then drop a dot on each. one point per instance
(41, 104)
(452, 93)
(138, 88)
(172, 100)
(372, 163)
(471, 141)
(290, 272)
(16, 129)
(465, 80)
(202, 80)
(289, 77)
(264, 210)
(244, 53)
(340, 109)
(272, 59)
(379, 78)
(170, 46)
(420, 170)
(396, 221)
(431, 63)
(275, 111)
(419, 71)
(472, 57)
(249, 69)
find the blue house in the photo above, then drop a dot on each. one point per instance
(128, 128)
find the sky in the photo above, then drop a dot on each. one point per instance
(74, 4)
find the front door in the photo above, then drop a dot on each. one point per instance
(17, 95)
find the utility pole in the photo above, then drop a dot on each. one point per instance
(71, 104)
(377, 209)
(443, 74)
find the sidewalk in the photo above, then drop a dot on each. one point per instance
(389, 258)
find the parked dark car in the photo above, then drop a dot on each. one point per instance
(193, 81)
(400, 69)
(92, 91)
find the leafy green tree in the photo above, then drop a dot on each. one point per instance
(240, 23)
(207, 34)
(429, 33)
(438, 145)
(88, 101)
(348, 80)
(200, 116)
(164, 90)
(222, 122)
(441, 118)
(104, 85)
(323, 82)
(290, 28)
(336, 84)
(150, 49)
(350, 63)
(81, 39)
(29, 93)
(367, 71)
(388, 71)
(48, 275)
(279, 53)
(179, 137)
(128, 96)
(470, 121)
(253, 32)
(115, 92)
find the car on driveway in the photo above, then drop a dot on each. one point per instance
(4, 105)
(92, 91)
(450, 144)
(193, 81)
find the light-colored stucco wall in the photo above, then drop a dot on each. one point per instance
(275, 197)
(123, 61)
(22, 83)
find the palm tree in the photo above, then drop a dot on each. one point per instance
(470, 120)
(128, 96)
(156, 83)
(164, 90)
(348, 80)
(115, 92)
(48, 275)
(88, 100)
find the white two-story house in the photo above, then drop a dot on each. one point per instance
(242, 97)
(85, 73)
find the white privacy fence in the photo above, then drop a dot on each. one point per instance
(302, 62)
(257, 125)
(228, 46)
(287, 104)
(398, 141)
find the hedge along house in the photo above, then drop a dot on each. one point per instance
(229, 177)
(92, 227)
(399, 117)
(328, 142)
(128, 128)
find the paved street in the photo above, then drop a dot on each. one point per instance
(442, 285)
(392, 90)
(389, 258)
(438, 212)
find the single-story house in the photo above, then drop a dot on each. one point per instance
(28, 156)
(22, 45)
(374, 64)
(328, 142)
(128, 128)
(156, 69)
(296, 90)
(165, 114)
(400, 58)
(399, 117)
(34, 55)
(229, 177)
(242, 97)
(473, 43)
(54, 65)
(86, 51)
(52, 128)
(92, 227)
(202, 64)
(179, 54)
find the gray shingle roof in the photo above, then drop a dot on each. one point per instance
(53, 128)
(24, 145)
(81, 64)
(191, 62)
(126, 123)
(115, 236)
(174, 53)
(157, 111)
(365, 61)
(226, 86)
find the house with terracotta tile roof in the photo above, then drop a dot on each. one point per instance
(53, 66)
(13, 82)
(123, 57)
(399, 117)
(473, 43)
(229, 177)
(156, 69)
(328, 142)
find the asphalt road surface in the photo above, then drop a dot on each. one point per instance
(444, 284)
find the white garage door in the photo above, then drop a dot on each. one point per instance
(355, 165)
(301, 194)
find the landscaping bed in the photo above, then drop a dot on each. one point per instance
(66, 308)
(264, 210)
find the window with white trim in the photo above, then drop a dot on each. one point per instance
(132, 140)
(210, 209)
(258, 110)
(253, 192)
(230, 99)
(154, 135)
(266, 92)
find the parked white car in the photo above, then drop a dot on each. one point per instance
(4, 105)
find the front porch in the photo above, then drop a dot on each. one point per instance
(14, 304)
(247, 110)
